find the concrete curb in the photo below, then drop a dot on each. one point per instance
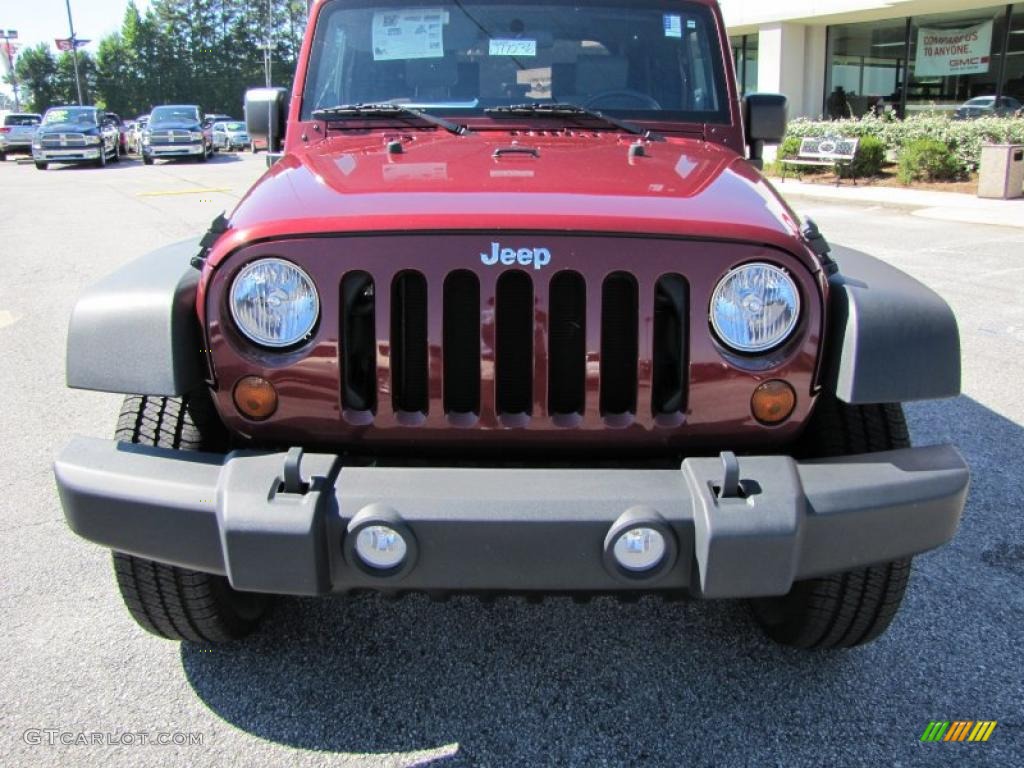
(947, 206)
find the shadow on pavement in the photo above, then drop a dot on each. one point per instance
(658, 683)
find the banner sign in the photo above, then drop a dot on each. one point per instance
(953, 51)
(64, 43)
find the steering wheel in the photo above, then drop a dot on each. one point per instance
(638, 98)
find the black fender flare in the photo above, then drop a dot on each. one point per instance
(136, 330)
(890, 338)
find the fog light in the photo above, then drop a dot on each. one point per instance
(639, 549)
(380, 547)
(773, 402)
(255, 397)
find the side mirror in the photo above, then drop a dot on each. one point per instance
(764, 118)
(266, 113)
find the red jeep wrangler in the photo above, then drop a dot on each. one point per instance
(514, 311)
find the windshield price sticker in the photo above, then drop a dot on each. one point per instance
(414, 34)
(673, 25)
(513, 48)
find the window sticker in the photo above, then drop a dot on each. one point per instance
(513, 48)
(673, 25)
(691, 24)
(411, 34)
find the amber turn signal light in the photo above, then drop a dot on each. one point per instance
(255, 397)
(773, 401)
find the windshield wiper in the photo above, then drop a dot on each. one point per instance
(387, 110)
(564, 109)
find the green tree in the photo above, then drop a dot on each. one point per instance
(66, 91)
(37, 69)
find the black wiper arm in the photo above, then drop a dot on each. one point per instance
(565, 109)
(387, 110)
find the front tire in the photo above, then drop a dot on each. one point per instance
(101, 161)
(147, 160)
(42, 166)
(846, 609)
(166, 600)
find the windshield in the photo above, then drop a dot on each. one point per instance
(21, 120)
(647, 60)
(78, 115)
(174, 114)
(234, 126)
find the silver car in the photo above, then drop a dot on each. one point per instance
(16, 133)
(987, 106)
(230, 135)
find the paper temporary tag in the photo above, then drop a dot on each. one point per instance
(673, 25)
(412, 34)
(513, 48)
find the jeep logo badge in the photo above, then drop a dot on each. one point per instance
(538, 257)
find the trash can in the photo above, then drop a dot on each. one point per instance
(1001, 175)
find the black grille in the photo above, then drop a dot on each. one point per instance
(461, 350)
(567, 344)
(618, 344)
(358, 345)
(669, 377)
(514, 343)
(409, 374)
(581, 321)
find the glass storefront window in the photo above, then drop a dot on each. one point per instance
(744, 56)
(955, 57)
(1014, 80)
(866, 67)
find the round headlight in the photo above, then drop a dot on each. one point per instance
(274, 303)
(755, 307)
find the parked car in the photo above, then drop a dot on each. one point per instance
(987, 106)
(135, 134)
(209, 120)
(122, 131)
(76, 135)
(577, 346)
(176, 131)
(16, 133)
(230, 135)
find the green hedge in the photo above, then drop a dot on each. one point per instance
(927, 160)
(963, 138)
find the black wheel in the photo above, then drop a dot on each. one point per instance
(147, 160)
(172, 602)
(846, 609)
(203, 156)
(117, 154)
(3, 156)
(42, 166)
(101, 161)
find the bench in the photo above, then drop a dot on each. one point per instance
(828, 152)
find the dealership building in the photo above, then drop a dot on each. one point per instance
(846, 57)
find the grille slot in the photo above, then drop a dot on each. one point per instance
(461, 343)
(619, 312)
(567, 344)
(671, 307)
(514, 343)
(358, 347)
(409, 372)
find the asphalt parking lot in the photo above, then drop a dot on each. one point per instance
(372, 682)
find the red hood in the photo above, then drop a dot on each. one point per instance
(579, 181)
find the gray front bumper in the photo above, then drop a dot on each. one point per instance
(510, 529)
